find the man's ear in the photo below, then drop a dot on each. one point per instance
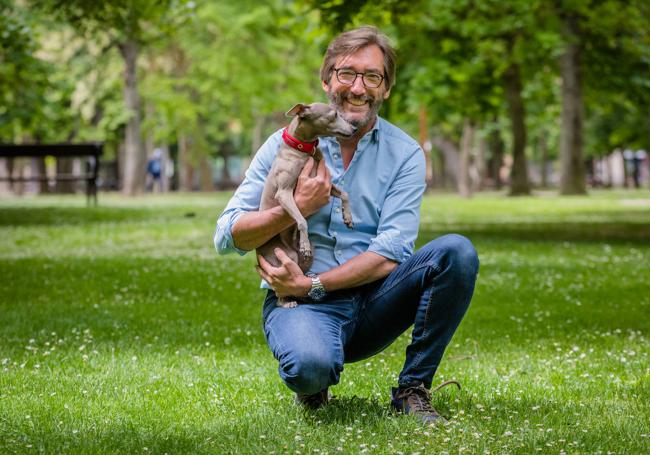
(298, 109)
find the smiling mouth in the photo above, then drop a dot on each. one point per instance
(356, 102)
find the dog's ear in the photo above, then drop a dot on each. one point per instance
(299, 109)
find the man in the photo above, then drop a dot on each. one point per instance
(366, 286)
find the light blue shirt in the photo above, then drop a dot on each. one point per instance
(385, 182)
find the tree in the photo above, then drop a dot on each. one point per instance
(125, 24)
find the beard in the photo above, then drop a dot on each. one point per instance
(374, 103)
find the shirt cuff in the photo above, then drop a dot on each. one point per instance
(392, 245)
(223, 241)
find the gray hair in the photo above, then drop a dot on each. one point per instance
(351, 41)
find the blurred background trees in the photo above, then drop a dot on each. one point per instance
(518, 93)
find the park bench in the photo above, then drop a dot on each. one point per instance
(92, 151)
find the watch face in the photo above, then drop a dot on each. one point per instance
(316, 293)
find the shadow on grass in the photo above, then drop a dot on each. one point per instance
(348, 410)
(78, 216)
(581, 232)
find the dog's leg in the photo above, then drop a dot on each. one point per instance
(345, 202)
(284, 196)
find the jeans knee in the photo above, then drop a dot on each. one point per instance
(458, 254)
(309, 372)
(464, 254)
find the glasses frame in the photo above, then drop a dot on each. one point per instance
(356, 75)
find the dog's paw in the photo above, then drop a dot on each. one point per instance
(349, 223)
(283, 303)
(305, 253)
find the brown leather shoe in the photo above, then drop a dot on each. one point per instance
(315, 400)
(416, 400)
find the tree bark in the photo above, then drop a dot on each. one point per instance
(135, 159)
(41, 169)
(205, 175)
(64, 166)
(572, 174)
(467, 140)
(425, 144)
(519, 184)
(449, 157)
(481, 163)
(543, 150)
(186, 168)
(496, 157)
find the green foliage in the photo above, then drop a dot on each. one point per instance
(23, 77)
(122, 331)
(220, 72)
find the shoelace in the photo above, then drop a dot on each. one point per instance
(423, 396)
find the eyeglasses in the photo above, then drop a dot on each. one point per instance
(347, 76)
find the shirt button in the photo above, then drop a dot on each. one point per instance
(342, 180)
(337, 210)
(338, 252)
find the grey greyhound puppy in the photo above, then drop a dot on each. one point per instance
(300, 142)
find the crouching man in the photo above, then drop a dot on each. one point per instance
(367, 285)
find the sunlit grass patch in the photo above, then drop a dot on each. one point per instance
(122, 331)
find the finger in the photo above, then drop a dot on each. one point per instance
(264, 264)
(309, 165)
(282, 256)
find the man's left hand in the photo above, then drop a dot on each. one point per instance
(287, 280)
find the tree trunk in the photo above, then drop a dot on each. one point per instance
(519, 184)
(481, 163)
(449, 160)
(135, 159)
(464, 182)
(572, 174)
(205, 175)
(167, 171)
(425, 144)
(186, 168)
(41, 169)
(258, 129)
(543, 150)
(496, 157)
(64, 167)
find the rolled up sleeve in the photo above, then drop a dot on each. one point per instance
(247, 196)
(400, 215)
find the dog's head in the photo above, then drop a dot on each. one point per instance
(318, 119)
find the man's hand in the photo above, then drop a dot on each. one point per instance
(287, 280)
(313, 192)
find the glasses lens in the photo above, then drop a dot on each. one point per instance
(346, 76)
(372, 79)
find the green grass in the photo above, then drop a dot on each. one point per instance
(122, 331)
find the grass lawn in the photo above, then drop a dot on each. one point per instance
(122, 331)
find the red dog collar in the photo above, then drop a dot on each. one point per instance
(305, 147)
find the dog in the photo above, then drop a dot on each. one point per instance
(300, 142)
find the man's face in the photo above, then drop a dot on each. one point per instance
(358, 103)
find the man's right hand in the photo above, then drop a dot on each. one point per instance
(313, 192)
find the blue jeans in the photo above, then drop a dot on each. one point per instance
(430, 291)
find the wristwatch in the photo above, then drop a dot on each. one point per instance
(317, 291)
